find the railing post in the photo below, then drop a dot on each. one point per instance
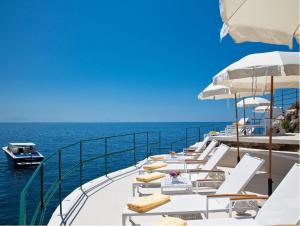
(186, 137)
(80, 159)
(199, 134)
(105, 156)
(147, 140)
(59, 178)
(42, 186)
(134, 147)
(23, 214)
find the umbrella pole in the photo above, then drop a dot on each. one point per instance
(244, 116)
(270, 181)
(254, 116)
(237, 129)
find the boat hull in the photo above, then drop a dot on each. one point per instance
(23, 160)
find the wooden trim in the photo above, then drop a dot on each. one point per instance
(193, 155)
(190, 149)
(229, 195)
(251, 198)
(194, 161)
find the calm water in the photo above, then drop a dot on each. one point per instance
(50, 136)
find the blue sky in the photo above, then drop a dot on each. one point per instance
(105, 61)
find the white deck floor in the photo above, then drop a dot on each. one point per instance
(289, 138)
(105, 199)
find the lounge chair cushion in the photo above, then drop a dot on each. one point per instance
(144, 204)
(150, 177)
(171, 221)
(155, 165)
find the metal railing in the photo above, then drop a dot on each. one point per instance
(99, 156)
(283, 98)
(286, 97)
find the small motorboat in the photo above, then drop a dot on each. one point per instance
(23, 154)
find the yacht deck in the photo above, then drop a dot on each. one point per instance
(103, 200)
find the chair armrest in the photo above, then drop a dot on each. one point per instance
(190, 149)
(255, 197)
(230, 195)
(248, 196)
(190, 161)
(188, 153)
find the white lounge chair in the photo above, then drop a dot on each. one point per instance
(282, 208)
(184, 166)
(197, 155)
(219, 202)
(197, 147)
(201, 174)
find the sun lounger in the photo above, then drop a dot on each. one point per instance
(197, 147)
(181, 158)
(219, 202)
(197, 176)
(183, 165)
(281, 208)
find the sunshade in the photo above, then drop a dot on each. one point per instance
(253, 70)
(252, 101)
(266, 71)
(263, 109)
(218, 92)
(267, 21)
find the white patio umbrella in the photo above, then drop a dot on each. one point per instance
(250, 102)
(263, 109)
(255, 70)
(218, 92)
(268, 21)
(270, 70)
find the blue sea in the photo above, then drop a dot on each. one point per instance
(49, 137)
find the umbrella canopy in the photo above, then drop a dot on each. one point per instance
(218, 92)
(266, 71)
(268, 21)
(252, 101)
(263, 109)
(254, 71)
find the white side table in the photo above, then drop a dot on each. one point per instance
(182, 184)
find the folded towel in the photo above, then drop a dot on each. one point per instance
(213, 133)
(144, 204)
(154, 166)
(171, 221)
(150, 177)
(157, 157)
